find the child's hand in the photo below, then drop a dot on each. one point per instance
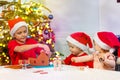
(47, 53)
(101, 58)
(46, 49)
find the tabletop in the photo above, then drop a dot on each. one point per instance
(66, 73)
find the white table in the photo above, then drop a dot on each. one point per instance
(67, 73)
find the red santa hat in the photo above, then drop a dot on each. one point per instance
(16, 23)
(107, 40)
(81, 40)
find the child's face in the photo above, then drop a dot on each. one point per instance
(74, 49)
(21, 34)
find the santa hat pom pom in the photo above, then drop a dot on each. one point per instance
(91, 50)
(112, 50)
(118, 60)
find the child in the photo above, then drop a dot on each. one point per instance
(77, 43)
(21, 47)
(105, 44)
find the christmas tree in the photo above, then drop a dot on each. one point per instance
(38, 17)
